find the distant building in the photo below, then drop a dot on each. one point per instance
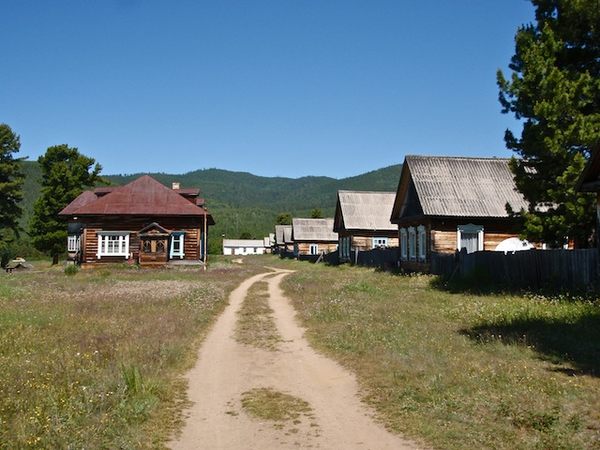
(313, 237)
(283, 239)
(142, 221)
(362, 221)
(444, 204)
(245, 246)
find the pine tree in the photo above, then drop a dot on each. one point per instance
(284, 219)
(11, 181)
(65, 174)
(554, 89)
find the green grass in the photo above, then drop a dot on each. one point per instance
(255, 325)
(95, 359)
(459, 371)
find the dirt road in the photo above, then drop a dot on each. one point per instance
(226, 369)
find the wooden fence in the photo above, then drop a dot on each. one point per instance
(533, 269)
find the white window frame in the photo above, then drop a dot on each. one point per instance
(470, 228)
(412, 243)
(313, 249)
(73, 243)
(403, 244)
(422, 242)
(181, 253)
(379, 242)
(106, 249)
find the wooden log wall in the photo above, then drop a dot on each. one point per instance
(327, 247)
(365, 243)
(192, 240)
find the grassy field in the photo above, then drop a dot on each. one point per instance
(94, 360)
(456, 370)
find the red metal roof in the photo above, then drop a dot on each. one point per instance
(143, 196)
(83, 199)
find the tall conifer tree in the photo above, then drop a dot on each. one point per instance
(554, 89)
(66, 173)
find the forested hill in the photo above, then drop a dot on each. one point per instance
(241, 202)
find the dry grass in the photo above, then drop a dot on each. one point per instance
(459, 371)
(255, 325)
(94, 360)
(269, 404)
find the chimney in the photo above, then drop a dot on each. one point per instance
(175, 185)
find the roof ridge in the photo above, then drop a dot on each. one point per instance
(484, 158)
(366, 192)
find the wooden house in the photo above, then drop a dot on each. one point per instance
(362, 221)
(444, 204)
(313, 237)
(142, 221)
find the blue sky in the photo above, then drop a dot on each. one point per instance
(279, 87)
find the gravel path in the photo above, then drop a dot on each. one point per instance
(226, 369)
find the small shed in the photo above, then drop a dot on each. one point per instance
(362, 221)
(313, 237)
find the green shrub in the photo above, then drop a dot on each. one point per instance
(71, 269)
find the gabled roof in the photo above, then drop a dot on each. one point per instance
(456, 187)
(364, 210)
(313, 230)
(143, 196)
(154, 226)
(283, 234)
(288, 234)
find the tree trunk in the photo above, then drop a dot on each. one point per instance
(54, 259)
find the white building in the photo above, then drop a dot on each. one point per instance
(244, 246)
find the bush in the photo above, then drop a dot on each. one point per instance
(71, 269)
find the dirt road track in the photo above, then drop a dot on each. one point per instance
(225, 369)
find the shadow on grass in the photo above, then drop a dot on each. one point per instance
(574, 341)
(479, 282)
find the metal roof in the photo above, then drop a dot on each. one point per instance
(313, 230)
(82, 199)
(464, 187)
(279, 233)
(365, 210)
(143, 196)
(243, 243)
(283, 234)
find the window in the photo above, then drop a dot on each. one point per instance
(113, 243)
(469, 237)
(380, 242)
(177, 245)
(412, 243)
(73, 243)
(403, 244)
(314, 249)
(422, 239)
